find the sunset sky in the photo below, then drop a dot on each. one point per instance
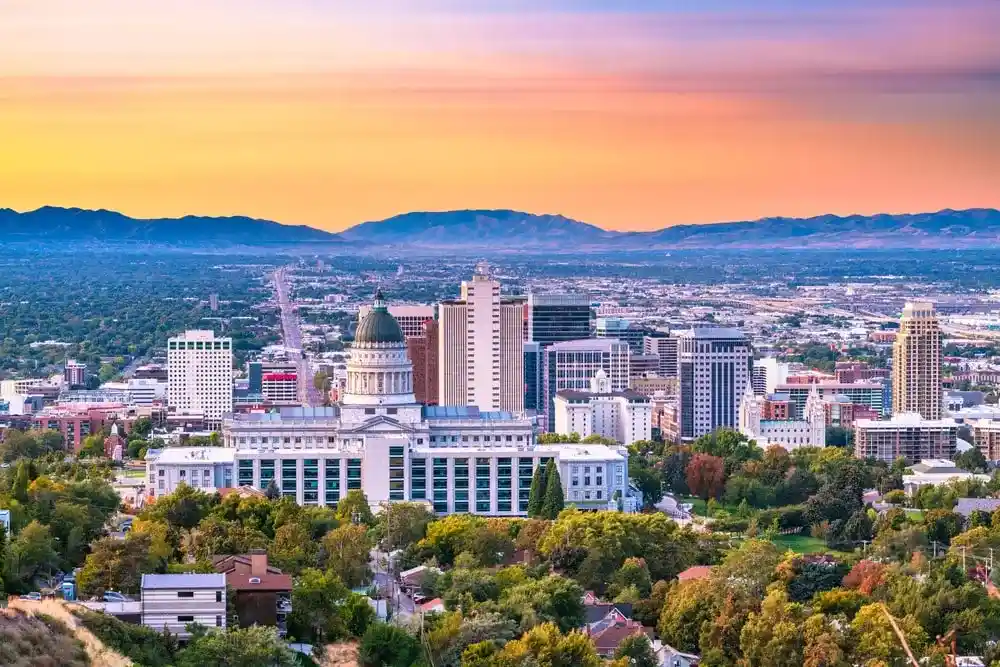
(629, 114)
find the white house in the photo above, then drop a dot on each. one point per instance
(624, 416)
(172, 601)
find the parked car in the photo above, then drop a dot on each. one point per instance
(418, 598)
(114, 596)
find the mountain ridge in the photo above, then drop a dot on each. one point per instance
(505, 229)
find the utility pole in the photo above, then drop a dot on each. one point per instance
(964, 568)
(900, 635)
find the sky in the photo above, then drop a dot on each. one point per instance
(628, 114)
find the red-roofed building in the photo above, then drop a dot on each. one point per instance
(696, 572)
(263, 594)
(607, 639)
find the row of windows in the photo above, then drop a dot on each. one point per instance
(199, 345)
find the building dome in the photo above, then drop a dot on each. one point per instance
(379, 327)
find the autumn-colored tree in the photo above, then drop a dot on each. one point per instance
(706, 475)
(877, 640)
(773, 637)
(866, 576)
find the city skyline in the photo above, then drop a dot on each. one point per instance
(629, 115)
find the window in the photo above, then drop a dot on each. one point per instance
(185, 619)
(218, 596)
(185, 594)
(218, 621)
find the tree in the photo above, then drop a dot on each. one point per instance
(19, 490)
(347, 550)
(115, 565)
(732, 446)
(536, 495)
(972, 460)
(876, 639)
(545, 645)
(688, 605)
(388, 646)
(256, 646)
(706, 475)
(650, 485)
(293, 548)
(554, 501)
(773, 636)
(401, 524)
(553, 599)
(357, 614)
(92, 446)
(942, 525)
(30, 554)
(637, 651)
(316, 600)
(272, 492)
(184, 508)
(354, 508)
(448, 641)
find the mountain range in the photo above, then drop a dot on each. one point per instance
(514, 230)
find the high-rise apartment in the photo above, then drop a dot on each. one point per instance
(572, 365)
(481, 347)
(554, 318)
(75, 373)
(665, 347)
(715, 365)
(423, 353)
(411, 318)
(200, 374)
(623, 330)
(916, 362)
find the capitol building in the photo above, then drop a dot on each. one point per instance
(458, 459)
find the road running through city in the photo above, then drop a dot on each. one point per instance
(291, 333)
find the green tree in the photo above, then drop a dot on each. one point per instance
(92, 446)
(401, 524)
(971, 460)
(546, 645)
(184, 508)
(877, 641)
(388, 646)
(650, 484)
(272, 492)
(19, 490)
(357, 614)
(553, 599)
(347, 550)
(115, 565)
(31, 553)
(293, 548)
(773, 636)
(536, 495)
(554, 501)
(317, 597)
(256, 646)
(637, 651)
(354, 508)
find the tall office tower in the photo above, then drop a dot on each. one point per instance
(534, 385)
(200, 374)
(715, 367)
(616, 327)
(75, 373)
(481, 347)
(213, 302)
(572, 364)
(665, 347)
(916, 362)
(411, 318)
(553, 318)
(423, 351)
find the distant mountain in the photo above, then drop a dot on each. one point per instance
(513, 230)
(478, 228)
(53, 224)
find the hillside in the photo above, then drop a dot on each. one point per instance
(53, 224)
(46, 632)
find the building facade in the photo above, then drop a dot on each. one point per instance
(554, 318)
(916, 362)
(75, 373)
(664, 347)
(381, 441)
(623, 416)
(423, 352)
(870, 394)
(572, 364)
(788, 433)
(280, 388)
(172, 601)
(200, 374)
(481, 347)
(986, 437)
(715, 368)
(907, 435)
(620, 329)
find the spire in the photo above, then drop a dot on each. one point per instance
(379, 303)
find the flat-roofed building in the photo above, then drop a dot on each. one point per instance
(906, 435)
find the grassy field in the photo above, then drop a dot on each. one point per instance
(800, 544)
(135, 473)
(700, 505)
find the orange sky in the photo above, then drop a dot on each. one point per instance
(630, 115)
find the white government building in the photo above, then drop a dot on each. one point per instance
(380, 440)
(625, 416)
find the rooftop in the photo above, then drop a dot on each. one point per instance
(713, 333)
(581, 395)
(182, 581)
(588, 345)
(464, 412)
(196, 455)
(905, 420)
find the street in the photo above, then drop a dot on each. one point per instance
(292, 340)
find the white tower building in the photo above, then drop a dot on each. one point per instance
(200, 374)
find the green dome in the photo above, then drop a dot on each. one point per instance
(379, 326)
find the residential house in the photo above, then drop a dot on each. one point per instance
(609, 633)
(263, 595)
(668, 656)
(172, 601)
(695, 572)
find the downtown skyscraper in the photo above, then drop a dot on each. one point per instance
(916, 362)
(715, 365)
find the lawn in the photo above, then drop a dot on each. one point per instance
(804, 544)
(700, 506)
(139, 472)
